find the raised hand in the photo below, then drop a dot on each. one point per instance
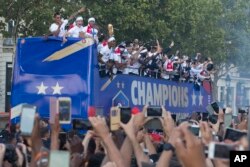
(139, 118)
(167, 122)
(100, 127)
(76, 145)
(83, 9)
(206, 133)
(171, 45)
(190, 152)
(129, 129)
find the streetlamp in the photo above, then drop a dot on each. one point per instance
(228, 83)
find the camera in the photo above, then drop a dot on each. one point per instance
(241, 111)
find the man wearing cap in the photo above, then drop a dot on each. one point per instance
(58, 27)
(77, 31)
(105, 56)
(90, 30)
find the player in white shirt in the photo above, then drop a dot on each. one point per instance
(58, 27)
(91, 30)
(77, 31)
(105, 57)
(106, 52)
(120, 59)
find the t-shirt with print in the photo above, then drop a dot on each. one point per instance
(53, 27)
(74, 32)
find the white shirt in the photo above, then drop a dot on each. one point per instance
(194, 71)
(74, 32)
(117, 57)
(106, 53)
(100, 46)
(53, 27)
(93, 33)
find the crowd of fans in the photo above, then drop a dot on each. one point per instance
(151, 60)
(134, 144)
(134, 57)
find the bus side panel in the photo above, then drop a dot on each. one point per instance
(48, 68)
(129, 90)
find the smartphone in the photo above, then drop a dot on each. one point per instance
(195, 129)
(221, 150)
(210, 109)
(233, 134)
(204, 116)
(53, 109)
(241, 111)
(79, 124)
(173, 117)
(27, 119)
(236, 119)
(215, 107)
(125, 114)
(213, 118)
(64, 107)
(227, 120)
(115, 118)
(153, 112)
(99, 111)
(60, 158)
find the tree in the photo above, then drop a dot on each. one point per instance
(33, 17)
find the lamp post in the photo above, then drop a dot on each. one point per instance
(228, 83)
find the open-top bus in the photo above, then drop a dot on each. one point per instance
(45, 68)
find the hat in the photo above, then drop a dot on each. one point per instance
(91, 19)
(79, 18)
(111, 39)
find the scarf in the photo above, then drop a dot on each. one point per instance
(89, 29)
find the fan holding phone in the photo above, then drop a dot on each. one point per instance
(117, 115)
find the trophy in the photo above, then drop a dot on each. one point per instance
(110, 30)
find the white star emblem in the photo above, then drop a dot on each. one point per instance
(118, 85)
(123, 85)
(200, 99)
(57, 89)
(41, 89)
(193, 99)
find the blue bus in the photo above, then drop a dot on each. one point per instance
(45, 68)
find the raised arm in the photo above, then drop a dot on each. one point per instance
(55, 129)
(102, 130)
(72, 16)
(126, 151)
(130, 131)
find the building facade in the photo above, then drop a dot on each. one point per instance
(7, 50)
(234, 91)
